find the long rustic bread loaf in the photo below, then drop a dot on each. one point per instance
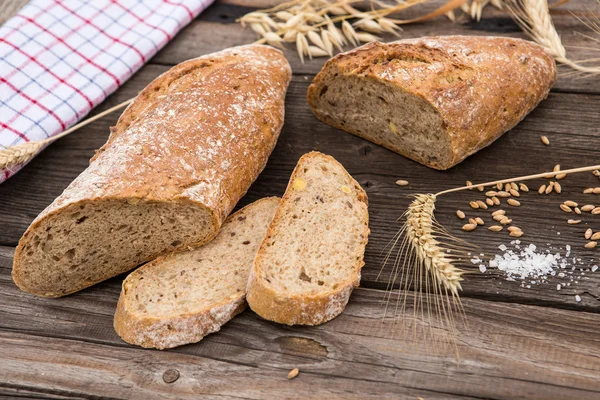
(175, 165)
(435, 100)
(310, 259)
(182, 297)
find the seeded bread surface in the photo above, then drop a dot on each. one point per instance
(311, 257)
(182, 297)
(175, 165)
(435, 100)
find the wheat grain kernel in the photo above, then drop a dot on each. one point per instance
(482, 205)
(401, 182)
(470, 184)
(499, 218)
(293, 373)
(588, 207)
(503, 194)
(577, 210)
(588, 233)
(523, 187)
(514, 186)
(590, 245)
(495, 228)
(513, 228)
(516, 234)
(595, 236)
(491, 193)
(469, 227)
(566, 208)
(499, 186)
(496, 201)
(588, 190)
(557, 187)
(574, 221)
(556, 168)
(474, 205)
(545, 140)
(460, 214)
(479, 221)
(506, 187)
(550, 188)
(480, 188)
(505, 221)
(596, 211)
(514, 193)
(596, 173)
(596, 190)
(542, 189)
(570, 203)
(560, 176)
(513, 202)
(472, 221)
(489, 202)
(498, 212)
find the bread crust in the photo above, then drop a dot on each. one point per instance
(179, 329)
(199, 134)
(303, 309)
(481, 87)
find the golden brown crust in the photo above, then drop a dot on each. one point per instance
(303, 309)
(198, 134)
(480, 86)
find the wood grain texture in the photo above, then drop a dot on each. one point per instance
(510, 351)
(536, 343)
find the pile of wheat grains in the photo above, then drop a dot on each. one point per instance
(526, 263)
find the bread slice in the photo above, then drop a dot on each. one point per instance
(435, 100)
(312, 254)
(182, 297)
(175, 165)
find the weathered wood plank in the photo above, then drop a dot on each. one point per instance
(67, 347)
(517, 153)
(218, 24)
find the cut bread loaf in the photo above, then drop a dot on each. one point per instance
(312, 254)
(180, 157)
(182, 297)
(435, 100)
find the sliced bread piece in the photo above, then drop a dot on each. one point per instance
(310, 259)
(435, 100)
(182, 297)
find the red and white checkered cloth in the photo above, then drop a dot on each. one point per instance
(61, 58)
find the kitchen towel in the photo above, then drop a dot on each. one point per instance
(61, 58)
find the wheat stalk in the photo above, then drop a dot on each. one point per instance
(534, 18)
(425, 256)
(19, 154)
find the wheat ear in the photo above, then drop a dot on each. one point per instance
(534, 18)
(19, 154)
(424, 257)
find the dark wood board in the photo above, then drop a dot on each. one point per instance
(520, 343)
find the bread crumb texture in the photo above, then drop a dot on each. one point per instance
(311, 257)
(182, 297)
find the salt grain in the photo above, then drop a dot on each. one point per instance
(577, 298)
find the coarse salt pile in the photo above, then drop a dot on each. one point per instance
(532, 267)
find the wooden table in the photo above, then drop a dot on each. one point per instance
(534, 343)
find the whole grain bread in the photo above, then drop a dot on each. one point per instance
(310, 259)
(435, 100)
(175, 165)
(182, 297)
